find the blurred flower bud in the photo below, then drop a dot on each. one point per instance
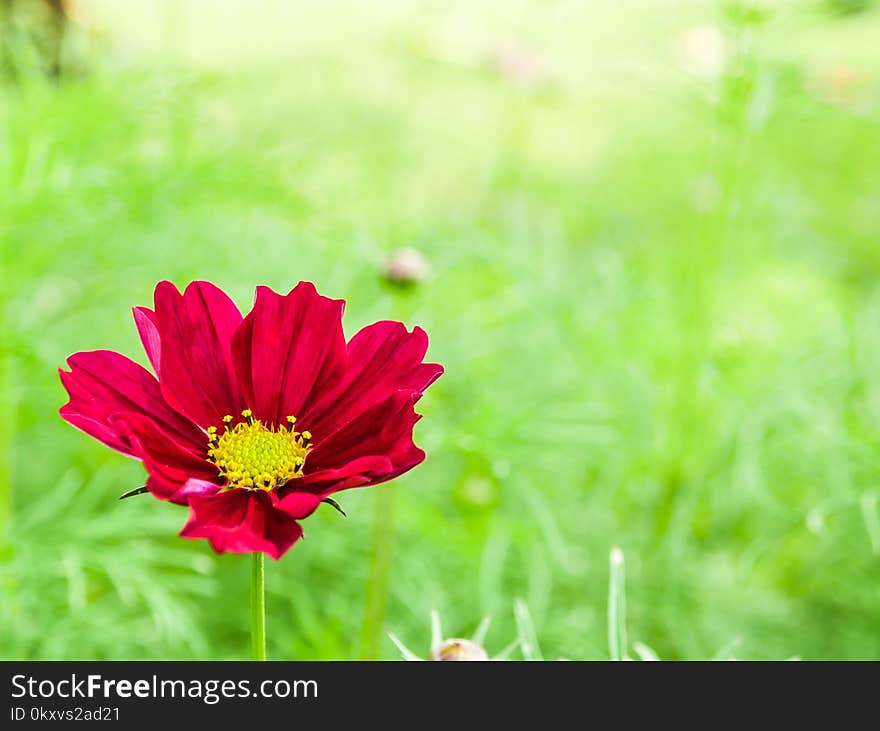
(476, 492)
(459, 650)
(406, 266)
(520, 66)
(840, 85)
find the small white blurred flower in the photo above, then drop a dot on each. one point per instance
(702, 51)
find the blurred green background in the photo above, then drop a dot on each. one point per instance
(653, 232)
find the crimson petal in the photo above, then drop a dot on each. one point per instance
(170, 464)
(299, 505)
(385, 430)
(102, 383)
(195, 367)
(176, 487)
(148, 330)
(357, 473)
(300, 498)
(382, 358)
(287, 348)
(241, 521)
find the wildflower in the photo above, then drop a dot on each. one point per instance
(254, 421)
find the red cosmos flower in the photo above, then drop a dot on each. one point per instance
(254, 421)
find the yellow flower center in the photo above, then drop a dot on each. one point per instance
(253, 455)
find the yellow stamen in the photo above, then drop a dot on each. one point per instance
(255, 456)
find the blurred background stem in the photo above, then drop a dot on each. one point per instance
(6, 427)
(8, 406)
(377, 580)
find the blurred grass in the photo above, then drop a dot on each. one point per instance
(654, 291)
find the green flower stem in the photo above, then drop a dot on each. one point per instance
(258, 608)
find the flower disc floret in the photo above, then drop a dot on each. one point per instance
(252, 455)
